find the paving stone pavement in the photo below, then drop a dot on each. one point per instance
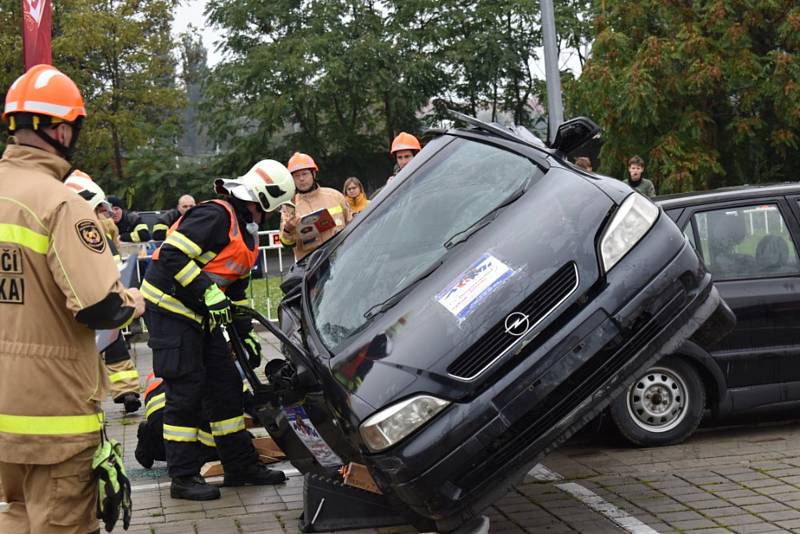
(742, 480)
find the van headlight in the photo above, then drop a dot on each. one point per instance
(389, 426)
(633, 219)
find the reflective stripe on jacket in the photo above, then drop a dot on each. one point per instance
(54, 263)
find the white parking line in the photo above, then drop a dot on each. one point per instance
(596, 503)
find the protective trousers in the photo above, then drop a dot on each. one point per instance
(121, 372)
(201, 383)
(50, 499)
(152, 433)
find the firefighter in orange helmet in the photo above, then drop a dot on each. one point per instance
(310, 197)
(201, 268)
(404, 147)
(58, 282)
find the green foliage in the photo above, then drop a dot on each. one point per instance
(706, 92)
(119, 52)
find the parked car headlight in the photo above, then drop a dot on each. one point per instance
(394, 423)
(633, 219)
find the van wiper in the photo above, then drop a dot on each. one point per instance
(470, 230)
(398, 296)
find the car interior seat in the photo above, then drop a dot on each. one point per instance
(772, 254)
(725, 231)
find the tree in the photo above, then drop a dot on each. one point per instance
(707, 92)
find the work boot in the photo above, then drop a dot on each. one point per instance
(144, 453)
(253, 475)
(193, 488)
(131, 402)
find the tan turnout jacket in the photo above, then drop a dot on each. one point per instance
(305, 203)
(54, 262)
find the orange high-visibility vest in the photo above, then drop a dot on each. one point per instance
(234, 261)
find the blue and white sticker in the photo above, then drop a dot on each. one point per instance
(463, 295)
(305, 430)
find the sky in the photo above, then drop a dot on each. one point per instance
(191, 12)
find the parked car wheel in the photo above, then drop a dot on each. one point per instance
(663, 406)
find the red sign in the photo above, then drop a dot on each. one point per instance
(36, 22)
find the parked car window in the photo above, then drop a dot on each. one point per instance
(394, 246)
(748, 241)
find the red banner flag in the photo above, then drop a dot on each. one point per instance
(36, 23)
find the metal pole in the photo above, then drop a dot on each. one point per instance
(555, 109)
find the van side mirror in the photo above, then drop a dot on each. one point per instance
(573, 133)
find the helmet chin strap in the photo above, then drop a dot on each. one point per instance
(65, 151)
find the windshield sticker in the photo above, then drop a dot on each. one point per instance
(462, 296)
(308, 434)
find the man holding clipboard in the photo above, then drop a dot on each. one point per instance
(318, 214)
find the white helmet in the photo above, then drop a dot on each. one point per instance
(269, 183)
(82, 183)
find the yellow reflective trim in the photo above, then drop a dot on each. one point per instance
(180, 433)
(19, 235)
(206, 257)
(184, 244)
(154, 404)
(336, 210)
(186, 275)
(243, 302)
(54, 425)
(124, 375)
(286, 241)
(152, 294)
(228, 426)
(205, 438)
(244, 386)
(160, 226)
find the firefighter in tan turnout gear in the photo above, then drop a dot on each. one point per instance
(121, 371)
(58, 282)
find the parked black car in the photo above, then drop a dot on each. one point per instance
(488, 303)
(748, 238)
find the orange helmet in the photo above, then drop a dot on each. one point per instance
(300, 161)
(405, 141)
(44, 91)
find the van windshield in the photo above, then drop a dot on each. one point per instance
(405, 237)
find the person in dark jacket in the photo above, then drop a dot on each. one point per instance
(167, 219)
(201, 269)
(132, 228)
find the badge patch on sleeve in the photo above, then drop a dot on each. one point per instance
(90, 235)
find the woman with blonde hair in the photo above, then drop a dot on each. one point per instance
(354, 193)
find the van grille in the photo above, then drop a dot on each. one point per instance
(497, 341)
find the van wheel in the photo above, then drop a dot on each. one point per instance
(663, 406)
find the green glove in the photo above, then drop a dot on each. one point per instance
(114, 488)
(219, 307)
(253, 346)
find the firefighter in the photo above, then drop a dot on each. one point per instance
(58, 282)
(132, 228)
(404, 147)
(203, 266)
(150, 434)
(310, 197)
(165, 220)
(121, 371)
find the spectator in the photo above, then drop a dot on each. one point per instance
(132, 229)
(642, 185)
(354, 193)
(165, 220)
(584, 163)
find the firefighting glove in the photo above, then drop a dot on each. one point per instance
(253, 346)
(219, 307)
(114, 488)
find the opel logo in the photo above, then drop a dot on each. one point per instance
(517, 324)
